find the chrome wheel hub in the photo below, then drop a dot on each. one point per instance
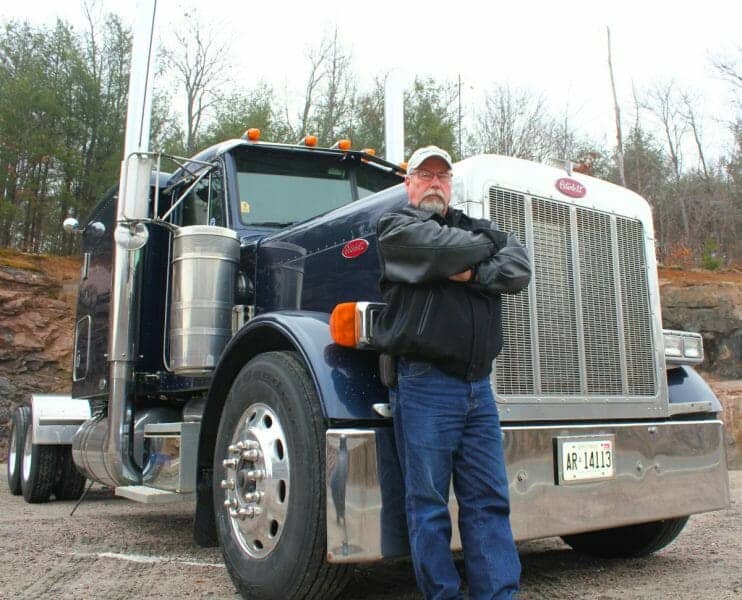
(12, 453)
(256, 486)
(27, 449)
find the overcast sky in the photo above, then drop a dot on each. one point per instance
(555, 47)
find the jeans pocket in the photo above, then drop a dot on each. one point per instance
(408, 369)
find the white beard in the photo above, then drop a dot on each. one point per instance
(434, 203)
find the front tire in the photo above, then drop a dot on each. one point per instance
(270, 505)
(19, 422)
(632, 541)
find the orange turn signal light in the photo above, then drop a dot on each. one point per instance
(343, 324)
(253, 134)
(344, 144)
(310, 140)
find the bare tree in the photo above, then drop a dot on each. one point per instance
(199, 59)
(664, 104)
(689, 113)
(330, 91)
(619, 136)
(728, 69)
(514, 122)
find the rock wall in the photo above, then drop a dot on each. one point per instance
(715, 311)
(37, 315)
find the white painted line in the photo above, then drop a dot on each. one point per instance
(143, 558)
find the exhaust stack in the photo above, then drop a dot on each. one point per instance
(394, 117)
(102, 448)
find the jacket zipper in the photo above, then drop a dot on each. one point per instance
(426, 310)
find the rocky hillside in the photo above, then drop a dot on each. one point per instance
(38, 296)
(37, 308)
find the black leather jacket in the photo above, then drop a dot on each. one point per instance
(456, 326)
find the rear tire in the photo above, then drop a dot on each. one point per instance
(633, 541)
(70, 483)
(271, 447)
(38, 469)
(19, 422)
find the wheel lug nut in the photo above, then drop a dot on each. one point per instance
(251, 454)
(256, 474)
(230, 463)
(253, 496)
(233, 449)
(227, 484)
(251, 445)
(230, 503)
(250, 511)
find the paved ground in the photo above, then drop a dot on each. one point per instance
(112, 548)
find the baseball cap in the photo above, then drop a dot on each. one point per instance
(420, 155)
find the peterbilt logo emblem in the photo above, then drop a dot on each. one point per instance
(354, 248)
(570, 187)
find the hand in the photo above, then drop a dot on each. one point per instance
(462, 277)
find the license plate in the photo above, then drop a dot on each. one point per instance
(586, 459)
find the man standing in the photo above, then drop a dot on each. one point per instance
(442, 276)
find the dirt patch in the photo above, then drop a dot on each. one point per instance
(680, 276)
(112, 548)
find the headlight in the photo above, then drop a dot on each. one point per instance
(683, 347)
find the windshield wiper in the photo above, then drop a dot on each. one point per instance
(273, 224)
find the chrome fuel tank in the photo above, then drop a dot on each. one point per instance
(204, 264)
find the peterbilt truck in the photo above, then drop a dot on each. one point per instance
(206, 367)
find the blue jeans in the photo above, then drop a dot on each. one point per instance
(445, 426)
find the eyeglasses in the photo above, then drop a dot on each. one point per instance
(443, 176)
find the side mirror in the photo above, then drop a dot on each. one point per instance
(71, 225)
(96, 229)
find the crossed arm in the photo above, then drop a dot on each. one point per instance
(417, 250)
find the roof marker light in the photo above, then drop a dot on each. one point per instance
(253, 134)
(341, 145)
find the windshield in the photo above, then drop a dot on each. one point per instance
(280, 188)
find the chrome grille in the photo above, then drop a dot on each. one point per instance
(589, 297)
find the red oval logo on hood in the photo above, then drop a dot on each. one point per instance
(570, 187)
(354, 248)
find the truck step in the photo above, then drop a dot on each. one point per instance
(150, 495)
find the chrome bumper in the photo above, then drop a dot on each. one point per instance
(663, 470)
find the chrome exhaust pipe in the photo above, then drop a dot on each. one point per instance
(103, 446)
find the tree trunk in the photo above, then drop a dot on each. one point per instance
(619, 137)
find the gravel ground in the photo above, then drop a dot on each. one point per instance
(112, 548)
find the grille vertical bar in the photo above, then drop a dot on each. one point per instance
(555, 299)
(599, 303)
(637, 315)
(514, 373)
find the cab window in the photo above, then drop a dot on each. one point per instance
(205, 203)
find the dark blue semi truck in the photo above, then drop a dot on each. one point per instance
(204, 365)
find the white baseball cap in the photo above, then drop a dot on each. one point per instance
(420, 155)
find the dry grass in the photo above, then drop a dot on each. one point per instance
(62, 269)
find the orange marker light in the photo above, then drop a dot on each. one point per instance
(403, 165)
(344, 144)
(253, 134)
(369, 151)
(310, 140)
(343, 324)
